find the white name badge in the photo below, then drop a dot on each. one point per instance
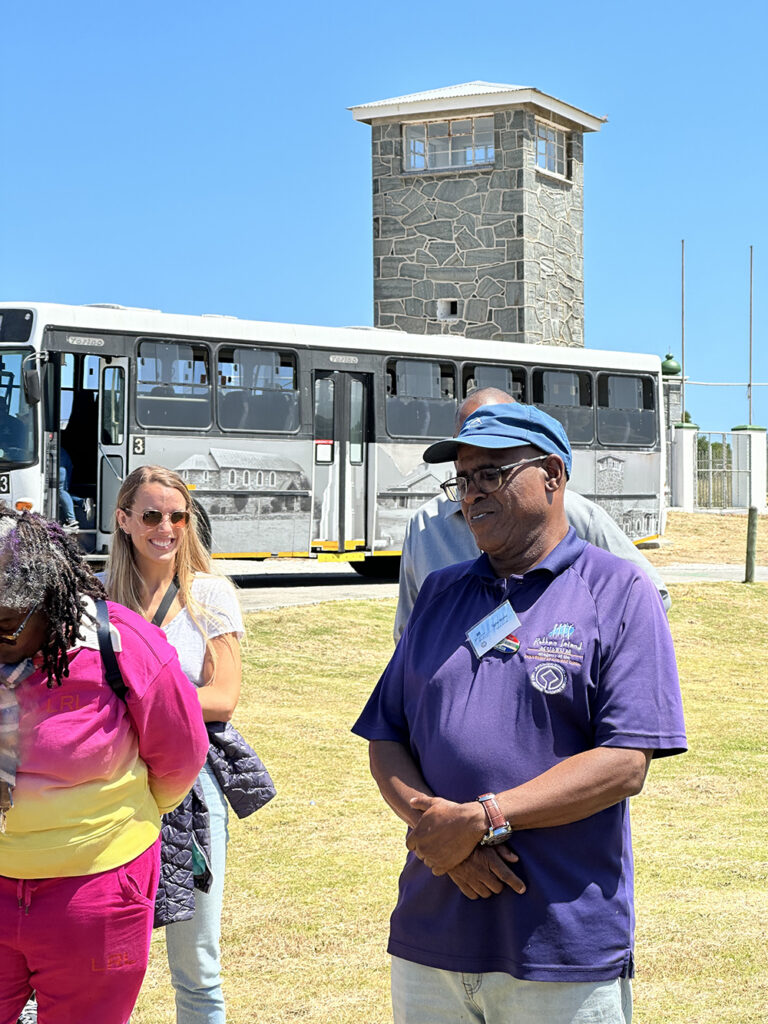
(494, 627)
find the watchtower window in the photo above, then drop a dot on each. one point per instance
(551, 150)
(447, 309)
(444, 145)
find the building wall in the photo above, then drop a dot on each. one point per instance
(505, 242)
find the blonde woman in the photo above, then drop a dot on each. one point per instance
(159, 568)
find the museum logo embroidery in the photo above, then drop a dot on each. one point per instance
(549, 678)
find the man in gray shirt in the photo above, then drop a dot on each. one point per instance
(437, 534)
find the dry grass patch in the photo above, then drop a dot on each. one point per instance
(312, 877)
(709, 537)
(699, 827)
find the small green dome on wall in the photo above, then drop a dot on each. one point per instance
(670, 367)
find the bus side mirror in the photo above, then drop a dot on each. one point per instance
(32, 386)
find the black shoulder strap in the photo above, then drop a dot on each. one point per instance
(165, 604)
(108, 657)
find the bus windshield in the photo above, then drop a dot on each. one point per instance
(17, 418)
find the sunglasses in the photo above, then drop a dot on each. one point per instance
(11, 638)
(153, 517)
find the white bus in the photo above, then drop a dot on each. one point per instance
(295, 441)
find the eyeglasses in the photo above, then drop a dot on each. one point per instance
(11, 638)
(486, 480)
(153, 517)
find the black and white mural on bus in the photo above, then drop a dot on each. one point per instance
(637, 516)
(256, 501)
(405, 483)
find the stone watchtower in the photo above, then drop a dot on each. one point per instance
(478, 205)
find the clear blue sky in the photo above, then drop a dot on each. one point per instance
(199, 157)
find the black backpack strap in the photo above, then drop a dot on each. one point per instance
(165, 604)
(108, 657)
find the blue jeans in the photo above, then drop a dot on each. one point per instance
(426, 995)
(193, 946)
(65, 498)
(67, 501)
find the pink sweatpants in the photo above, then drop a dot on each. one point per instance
(81, 943)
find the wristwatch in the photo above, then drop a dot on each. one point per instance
(499, 828)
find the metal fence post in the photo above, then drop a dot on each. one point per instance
(749, 575)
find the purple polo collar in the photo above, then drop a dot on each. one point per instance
(559, 558)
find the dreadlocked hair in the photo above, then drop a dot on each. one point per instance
(41, 565)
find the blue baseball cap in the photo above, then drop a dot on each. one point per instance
(507, 425)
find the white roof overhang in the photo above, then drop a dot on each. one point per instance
(472, 96)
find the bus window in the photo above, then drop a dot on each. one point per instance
(625, 410)
(324, 422)
(173, 385)
(79, 418)
(356, 421)
(78, 373)
(91, 373)
(112, 405)
(67, 388)
(15, 325)
(421, 398)
(257, 390)
(17, 419)
(506, 378)
(567, 395)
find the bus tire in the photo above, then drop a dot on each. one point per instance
(384, 567)
(204, 531)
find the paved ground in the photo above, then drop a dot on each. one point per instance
(686, 572)
(276, 583)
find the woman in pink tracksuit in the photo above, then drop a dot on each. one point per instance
(84, 778)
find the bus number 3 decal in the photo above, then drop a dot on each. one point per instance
(139, 446)
(5, 484)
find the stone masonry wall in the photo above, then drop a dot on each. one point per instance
(505, 242)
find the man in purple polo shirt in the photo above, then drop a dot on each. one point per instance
(526, 698)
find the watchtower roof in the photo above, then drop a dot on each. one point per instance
(471, 96)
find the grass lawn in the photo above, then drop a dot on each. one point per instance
(709, 537)
(312, 877)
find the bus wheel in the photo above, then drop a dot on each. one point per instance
(204, 531)
(385, 567)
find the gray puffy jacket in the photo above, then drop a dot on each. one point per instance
(246, 784)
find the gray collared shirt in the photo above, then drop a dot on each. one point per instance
(437, 535)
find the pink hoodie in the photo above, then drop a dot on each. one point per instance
(96, 772)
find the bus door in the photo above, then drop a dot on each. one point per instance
(71, 440)
(342, 403)
(112, 444)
